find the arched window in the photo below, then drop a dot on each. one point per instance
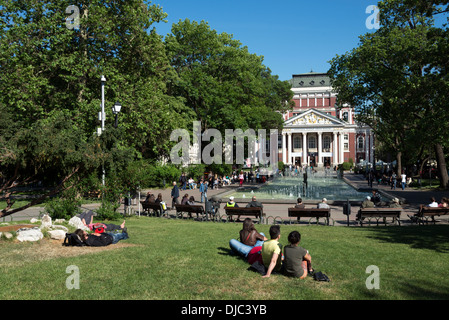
(312, 142)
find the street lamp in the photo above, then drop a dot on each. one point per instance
(116, 109)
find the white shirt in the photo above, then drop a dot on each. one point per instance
(403, 176)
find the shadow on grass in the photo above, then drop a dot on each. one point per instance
(410, 289)
(431, 237)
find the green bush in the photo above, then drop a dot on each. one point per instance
(345, 166)
(63, 207)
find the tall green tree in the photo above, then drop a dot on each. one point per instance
(224, 84)
(50, 72)
(395, 82)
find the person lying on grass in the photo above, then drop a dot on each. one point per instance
(297, 260)
(101, 239)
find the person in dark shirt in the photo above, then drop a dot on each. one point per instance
(254, 203)
(299, 204)
(297, 260)
(101, 239)
(174, 194)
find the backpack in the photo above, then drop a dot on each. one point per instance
(73, 240)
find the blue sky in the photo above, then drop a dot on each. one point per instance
(293, 36)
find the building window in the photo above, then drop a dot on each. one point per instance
(360, 143)
(297, 142)
(326, 143)
(312, 142)
(346, 116)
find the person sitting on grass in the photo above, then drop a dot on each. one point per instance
(101, 239)
(249, 238)
(272, 252)
(297, 260)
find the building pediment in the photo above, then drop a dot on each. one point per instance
(313, 118)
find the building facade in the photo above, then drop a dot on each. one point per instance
(319, 133)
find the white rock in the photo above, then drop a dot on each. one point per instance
(57, 234)
(33, 220)
(59, 227)
(29, 234)
(46, 221)
(77, 223)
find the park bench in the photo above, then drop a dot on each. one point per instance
(156, 207)
(187, 209)
(252, 211)
(378, 213)
(426, 213)
(310, 213)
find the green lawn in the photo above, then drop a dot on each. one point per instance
(190, 260)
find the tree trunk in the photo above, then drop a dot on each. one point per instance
(442, 169)
(398, 158)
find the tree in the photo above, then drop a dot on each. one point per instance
(396, 82)
(50, 80)
(224, 85)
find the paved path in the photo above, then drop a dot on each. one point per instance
(411, 198)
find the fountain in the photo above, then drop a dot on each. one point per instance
(309, 185)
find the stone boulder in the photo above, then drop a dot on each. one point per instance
(57, 234)
(29, 234)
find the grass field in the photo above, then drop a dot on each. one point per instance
(189, 260)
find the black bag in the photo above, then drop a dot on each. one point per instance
(319, 276)
(72, 240)
(258, 267)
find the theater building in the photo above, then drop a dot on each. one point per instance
(318, 132)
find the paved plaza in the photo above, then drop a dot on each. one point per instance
(411, 198)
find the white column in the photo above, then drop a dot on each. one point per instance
(284, 149)
(320, 148)
(340, 147)
(334, 150)
(289, 158)
(304, 148)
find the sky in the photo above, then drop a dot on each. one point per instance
(293, 36)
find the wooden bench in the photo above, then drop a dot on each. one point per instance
(425, 213)
(189, 209)
(310, 213)
(252, 211)
(377, 213)
(156, 207)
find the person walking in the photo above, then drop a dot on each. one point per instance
(174, 194)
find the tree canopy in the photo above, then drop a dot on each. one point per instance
(396, 79)
(50, 89)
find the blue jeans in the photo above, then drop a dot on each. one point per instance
(243, 249)
(116, 237)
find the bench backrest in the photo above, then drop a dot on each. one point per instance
(434, 210)
(380, 210)
(250, 210)
(308, 212)
(150, 205)
(189, 208)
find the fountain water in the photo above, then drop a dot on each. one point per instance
(306, 185)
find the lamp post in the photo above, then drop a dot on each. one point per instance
(115, 110)
(102, 118)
